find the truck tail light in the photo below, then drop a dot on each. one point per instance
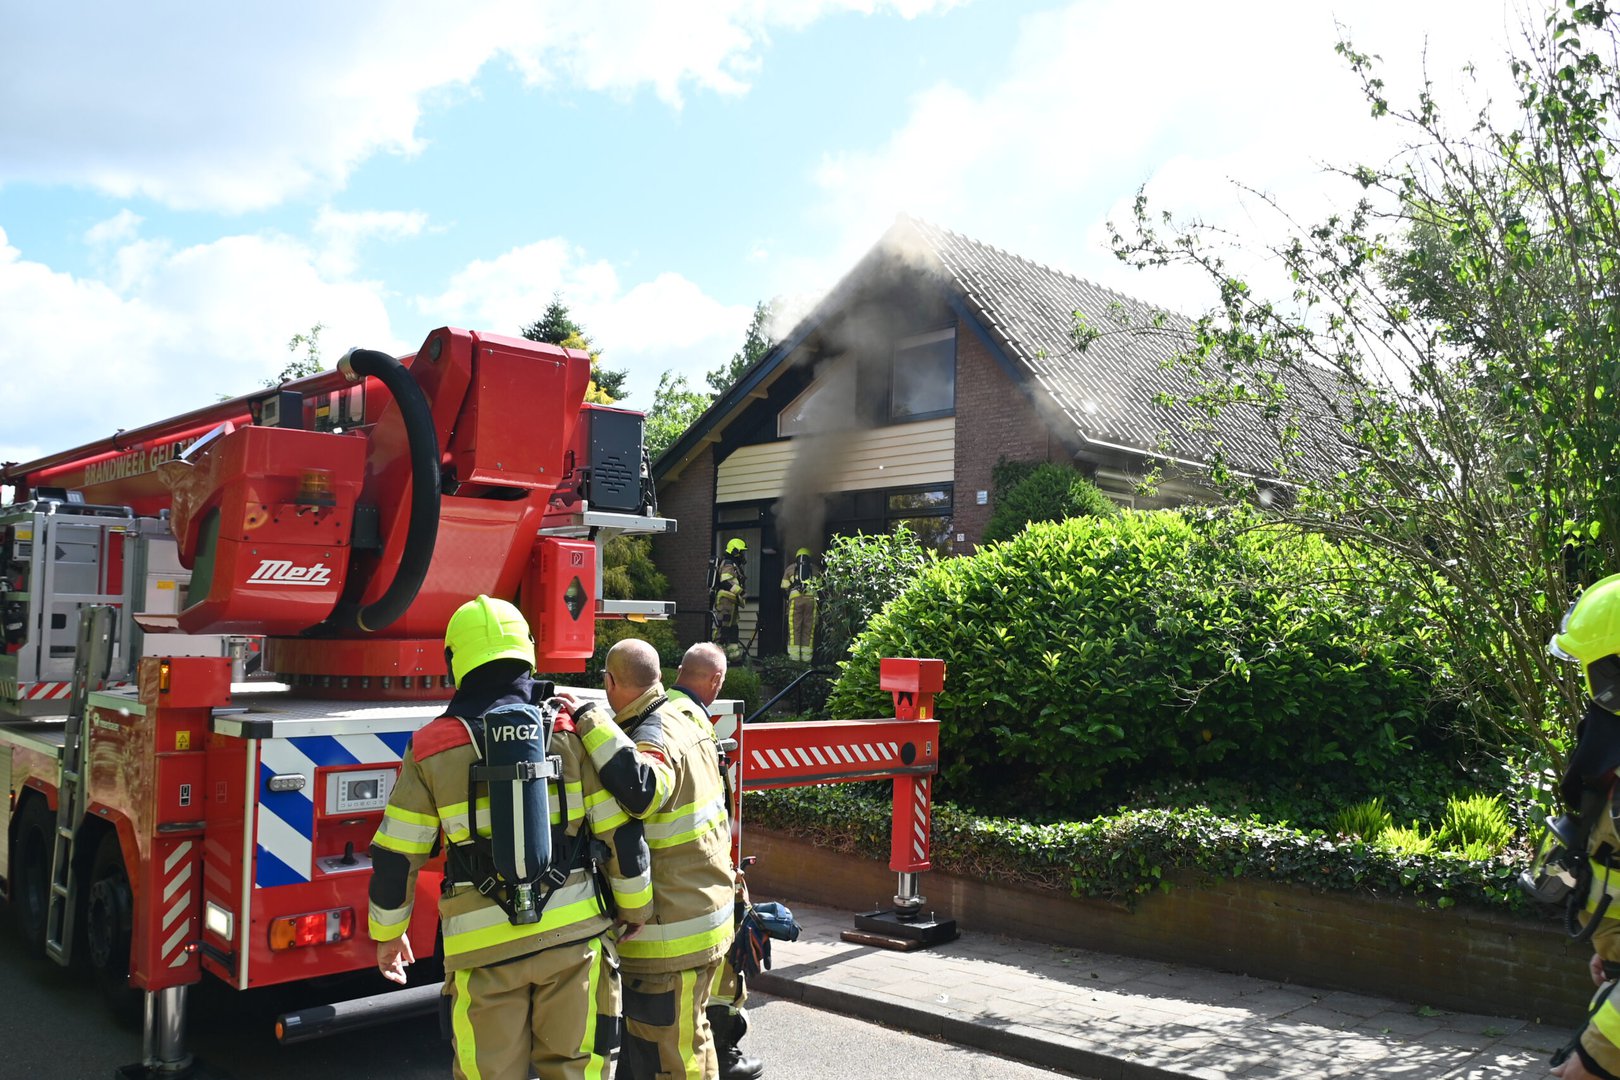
(314, 928)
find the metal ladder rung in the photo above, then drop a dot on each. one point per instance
(64, 832)
(58, 889)
(69, 776)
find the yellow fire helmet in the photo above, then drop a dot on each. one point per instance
(736, 546)
(1590, 635)
(486, 629)
(801, 553)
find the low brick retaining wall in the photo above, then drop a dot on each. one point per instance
(1462, 960)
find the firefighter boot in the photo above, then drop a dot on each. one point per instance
(729, 1028)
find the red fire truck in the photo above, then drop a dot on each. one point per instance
(177, 817)
(170, 814)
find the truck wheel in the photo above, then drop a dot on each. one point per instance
(108, 913)
(32, 894)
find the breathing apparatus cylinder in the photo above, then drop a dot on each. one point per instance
(516, 738)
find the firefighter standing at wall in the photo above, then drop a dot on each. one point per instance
(1590, 635)
(697, 684)
(504, 977)
(727, 595)
(665, 769)
(799, 601)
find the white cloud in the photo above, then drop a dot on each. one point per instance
(117, 229)
(666, 322)
(240, 106)
(168, 330)
(343, 231)
(1100, 99)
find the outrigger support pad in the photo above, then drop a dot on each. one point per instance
(163, 1052)
(903, 927)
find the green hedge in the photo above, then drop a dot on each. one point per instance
(1125, 855)
(1089, 656)
(1049, 492)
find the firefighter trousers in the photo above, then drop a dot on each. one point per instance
(666, 1031)
(801, 626)
(555, 1012)
(728, 988)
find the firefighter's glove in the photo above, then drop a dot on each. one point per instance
(777, 921)
(751, 948)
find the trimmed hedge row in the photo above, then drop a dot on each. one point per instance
(1121, 857)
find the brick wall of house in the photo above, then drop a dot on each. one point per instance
(684, 555)
(994, 419)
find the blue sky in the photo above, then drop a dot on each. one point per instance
(181, 192)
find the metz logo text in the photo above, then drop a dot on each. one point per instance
(285, 572)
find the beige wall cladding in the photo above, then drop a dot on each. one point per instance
(901, 455)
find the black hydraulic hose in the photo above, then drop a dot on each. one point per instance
(423, 530)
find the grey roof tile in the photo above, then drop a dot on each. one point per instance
(1115, 390)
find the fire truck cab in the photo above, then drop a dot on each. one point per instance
(59, 555)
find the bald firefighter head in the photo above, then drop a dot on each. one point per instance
(703, 671)
(630, 670)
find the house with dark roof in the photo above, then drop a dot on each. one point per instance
(934, 358)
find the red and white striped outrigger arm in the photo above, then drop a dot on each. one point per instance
(52, 691)
(906, 749)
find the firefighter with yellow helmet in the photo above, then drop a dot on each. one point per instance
(1579, 864)
(726, 596)
(799, 602)
(659, 758)
(527, 912)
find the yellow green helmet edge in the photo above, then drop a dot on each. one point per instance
(485, 629)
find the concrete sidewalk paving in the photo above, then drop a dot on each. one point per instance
(1115, 1018)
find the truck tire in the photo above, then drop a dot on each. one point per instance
(32, 892)
(109, 907)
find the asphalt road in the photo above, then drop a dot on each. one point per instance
(58, 1029)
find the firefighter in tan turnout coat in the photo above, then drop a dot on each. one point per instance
(663, 767)
(543, 995)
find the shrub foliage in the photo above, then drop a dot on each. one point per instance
(1088, 655)
(860, 574)
(1049, 492)
(1125, 855)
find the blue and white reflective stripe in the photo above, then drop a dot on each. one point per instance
(286, 827)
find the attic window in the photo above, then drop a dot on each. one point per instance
(924, 380)
(795, 419)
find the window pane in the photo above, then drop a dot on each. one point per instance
(795, 419)
(736, 513)
(924, 379)
(869, 504)
(854, 527)
(933, 499)
(933, 532)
